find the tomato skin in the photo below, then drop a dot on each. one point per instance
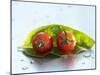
(42, 43)
(66, 47)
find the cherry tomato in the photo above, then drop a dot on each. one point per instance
(42, 43)
(65, 42)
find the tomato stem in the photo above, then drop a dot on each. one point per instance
(40, 43)
(65, 32)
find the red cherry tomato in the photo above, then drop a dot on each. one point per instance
(42, 43)
(66, 42)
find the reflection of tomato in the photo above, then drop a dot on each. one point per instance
(69, 61)
(42, 43)
(66, 42)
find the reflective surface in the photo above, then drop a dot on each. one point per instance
(27, 15)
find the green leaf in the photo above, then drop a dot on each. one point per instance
(30, 53)
(79, 50)
(82, 39)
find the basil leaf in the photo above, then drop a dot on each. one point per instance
(30, 53)
(82, 39)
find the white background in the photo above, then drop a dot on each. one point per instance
(26, 16)
(5, 37)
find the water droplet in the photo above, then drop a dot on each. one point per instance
(83, 62)
(60, 9)
(47, 16)
(92, 57)
(64, 56)
(86, 55)
(69, 6)
(24, 68)
(31, 62)
(22, 60)
(20, 50)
